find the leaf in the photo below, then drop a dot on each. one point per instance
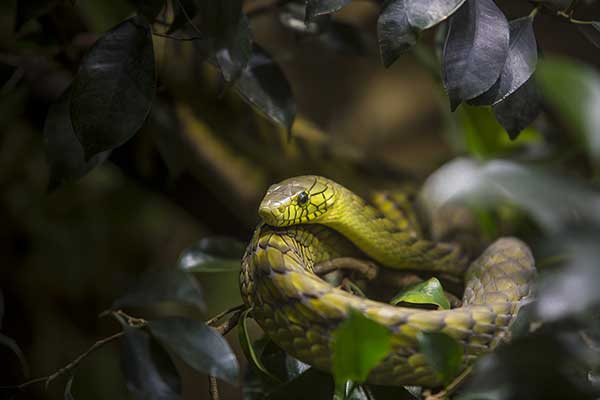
(162, 285)
(185, 11)
(292, 15)
(63, 150)
(113, 90)
(443, 354)
(249, 351)
(263, 85)
(475, 51)
(198, 345)
(147, 368)
(358, 345)
(311, 384)
(591, 32)
(394, 33)
(213, 254)
(573, 90)
(14, 347)
(520, 63)
(425, 14)
(68, 394)
(233, 57)
(149, 8)
(519, 109)
(428, 292)
(320, 7)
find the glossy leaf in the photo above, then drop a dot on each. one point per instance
(68, 395)
(263, 85)
(198, 345)
(443, 354)
(358, 345)
(162, 285)
(320, 7)
(63, 150)
(520, 63)
(292, 15)
(573, 90)
(113, 90)
(5, 341)
(394, 32)
(519, 109)
(425, 14)
(475, 51)
(148, 370)
(234, 55)
(213, 254)
(427, 292)
(591, 32)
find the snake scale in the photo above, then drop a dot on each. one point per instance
(310, 219)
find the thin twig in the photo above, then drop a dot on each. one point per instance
(230, 323)
(451, 388)
(220, 315)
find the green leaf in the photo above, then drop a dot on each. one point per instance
(443, 353)
(248, 348)
(198, 345)
(358, 345)
(213, 254)
(113, 90)
(147, 368)
(163, 285)
(573, 90)
(428, 292)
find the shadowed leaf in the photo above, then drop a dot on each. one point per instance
(113, 90)
(443, 354)
(263, 85)
(213, 254)
(63, 150)
(198, 345)
(147, 368)
(520, 109)
(519, 66)
(162, 285)
(425, 14)
(428, 292)
(475, 51)
(234, 55)
(394, 32)
(358, 345)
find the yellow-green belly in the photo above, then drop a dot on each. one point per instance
(299, 310)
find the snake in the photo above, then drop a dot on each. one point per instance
(309, 220)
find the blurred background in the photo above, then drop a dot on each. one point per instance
(202, 162)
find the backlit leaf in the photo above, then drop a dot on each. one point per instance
(443, 353)
(428, 292)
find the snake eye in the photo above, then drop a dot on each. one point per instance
(302, 198)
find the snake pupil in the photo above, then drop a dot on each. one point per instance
(302, 198)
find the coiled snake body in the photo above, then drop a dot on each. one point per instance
(310, 220)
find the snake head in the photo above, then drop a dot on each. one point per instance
(299, 200)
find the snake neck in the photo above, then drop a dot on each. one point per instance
(384, 240)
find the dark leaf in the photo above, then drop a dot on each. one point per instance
(345, 38)
(162, 285)
(591, 32)
(185, 11)
(443, 353)
(14, 347)
(573, 90)
(149, 8)
(393, 393)
(233, 57)
(113, 90)
(520, 63)
(200, 346)
(520, 109)
(68, 394)
(427, 292)
(358, 345)
(219, 20)
(264, 86)
(213, 254)
(63, 150)
(311, 384)
(30, 9)
(475, 51)
(147, 368)
(320, 7)
(394, 33)
(249, 350)
(425, 14)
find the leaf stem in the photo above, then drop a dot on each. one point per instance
(569, 17)
(213, 388)
(220, 315)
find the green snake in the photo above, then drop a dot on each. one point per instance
(310, 220)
